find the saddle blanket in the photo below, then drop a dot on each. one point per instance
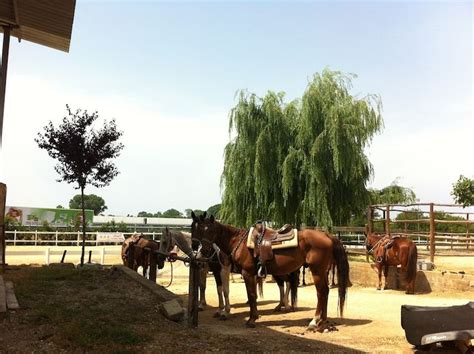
(275, 245)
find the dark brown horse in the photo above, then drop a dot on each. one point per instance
(141, 257)
(315, 248)
(393, 251)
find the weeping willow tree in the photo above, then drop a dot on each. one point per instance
(302, 161)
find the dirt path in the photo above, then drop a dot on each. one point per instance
(371, 321)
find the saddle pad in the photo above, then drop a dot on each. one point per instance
(275, 245)
(426, 325)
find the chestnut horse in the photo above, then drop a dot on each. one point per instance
(141, 257)
(393, 251)
(315, 248)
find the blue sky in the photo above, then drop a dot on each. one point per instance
(168, 73)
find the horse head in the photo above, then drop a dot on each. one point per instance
(166, 245)
(204, 232)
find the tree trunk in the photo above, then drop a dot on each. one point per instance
(83, 227)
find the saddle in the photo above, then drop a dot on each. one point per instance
(266, 239)
(386, 243)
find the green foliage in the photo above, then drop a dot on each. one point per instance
(145, 214)
(463, 191)
(59, 206)
(302, 161)
(12, 224)
(417, 214)
(172, 213)
(214, 210)
(392, 194)
(112, 226)
(91, 202)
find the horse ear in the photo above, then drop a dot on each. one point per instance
(212, 218)
(195, 218)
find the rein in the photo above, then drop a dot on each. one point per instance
(245, 235)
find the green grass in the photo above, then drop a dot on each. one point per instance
(83, 307)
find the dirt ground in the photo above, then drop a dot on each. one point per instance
(371, 318)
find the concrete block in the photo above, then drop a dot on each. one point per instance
(172, 310)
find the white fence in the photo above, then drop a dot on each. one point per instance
(57, 238)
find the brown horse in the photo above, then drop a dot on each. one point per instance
(315, 248)
(141, 257)
(393, 251)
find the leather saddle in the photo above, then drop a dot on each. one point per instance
(263, 243)
(385, 243)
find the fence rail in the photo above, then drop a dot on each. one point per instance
(57, 238)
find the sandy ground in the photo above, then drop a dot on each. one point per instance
(371, 318)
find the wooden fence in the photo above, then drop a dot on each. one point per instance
(425, 221)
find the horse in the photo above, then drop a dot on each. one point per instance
(219, 265)
(393, 251)
(316, 248)
(141, 257)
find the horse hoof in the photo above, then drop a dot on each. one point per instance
(378, 289)
(277, 309)
(223, 317)
(216, 315)
(200, 308)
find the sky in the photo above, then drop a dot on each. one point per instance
(167, 72)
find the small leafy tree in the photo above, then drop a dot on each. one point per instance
(172, 213)
(91, 202)
(214, 210)
(83, 153)
(463, 191)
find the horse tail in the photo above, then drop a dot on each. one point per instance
(294, 280)
(342, 265)
(411, 264)
(260, 287)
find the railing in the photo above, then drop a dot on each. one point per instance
(56, 238)
(428, 227)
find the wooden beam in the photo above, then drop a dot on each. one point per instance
(3, 78)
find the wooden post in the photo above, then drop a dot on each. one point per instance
(468, 241)
(193, 308)
(370, 220)
(3, 77)
(3, 198)
(432, 233)
(131, 256)
(64, 256)
(384, 224)
(152, 272)
(387, 220)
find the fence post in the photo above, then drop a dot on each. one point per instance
(47, 255)
(36, 237)
(468, 241)
(432, 233)
(387, 220)
(102, 255)
(193, 308)
(14, 238)
(78, 238)
(370, 220)
(152, 272)
(56, 238)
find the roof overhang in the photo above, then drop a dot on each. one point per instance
(45, 22)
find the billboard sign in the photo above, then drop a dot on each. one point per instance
(54, 217)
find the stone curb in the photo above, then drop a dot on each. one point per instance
(161, 293)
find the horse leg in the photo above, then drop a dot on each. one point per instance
(286, 301)
(217, 277)
(280, 284)
(385, 275)
(379, 270)
(225, 275)
(320, 279)
(251, 287)
(202, 287)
